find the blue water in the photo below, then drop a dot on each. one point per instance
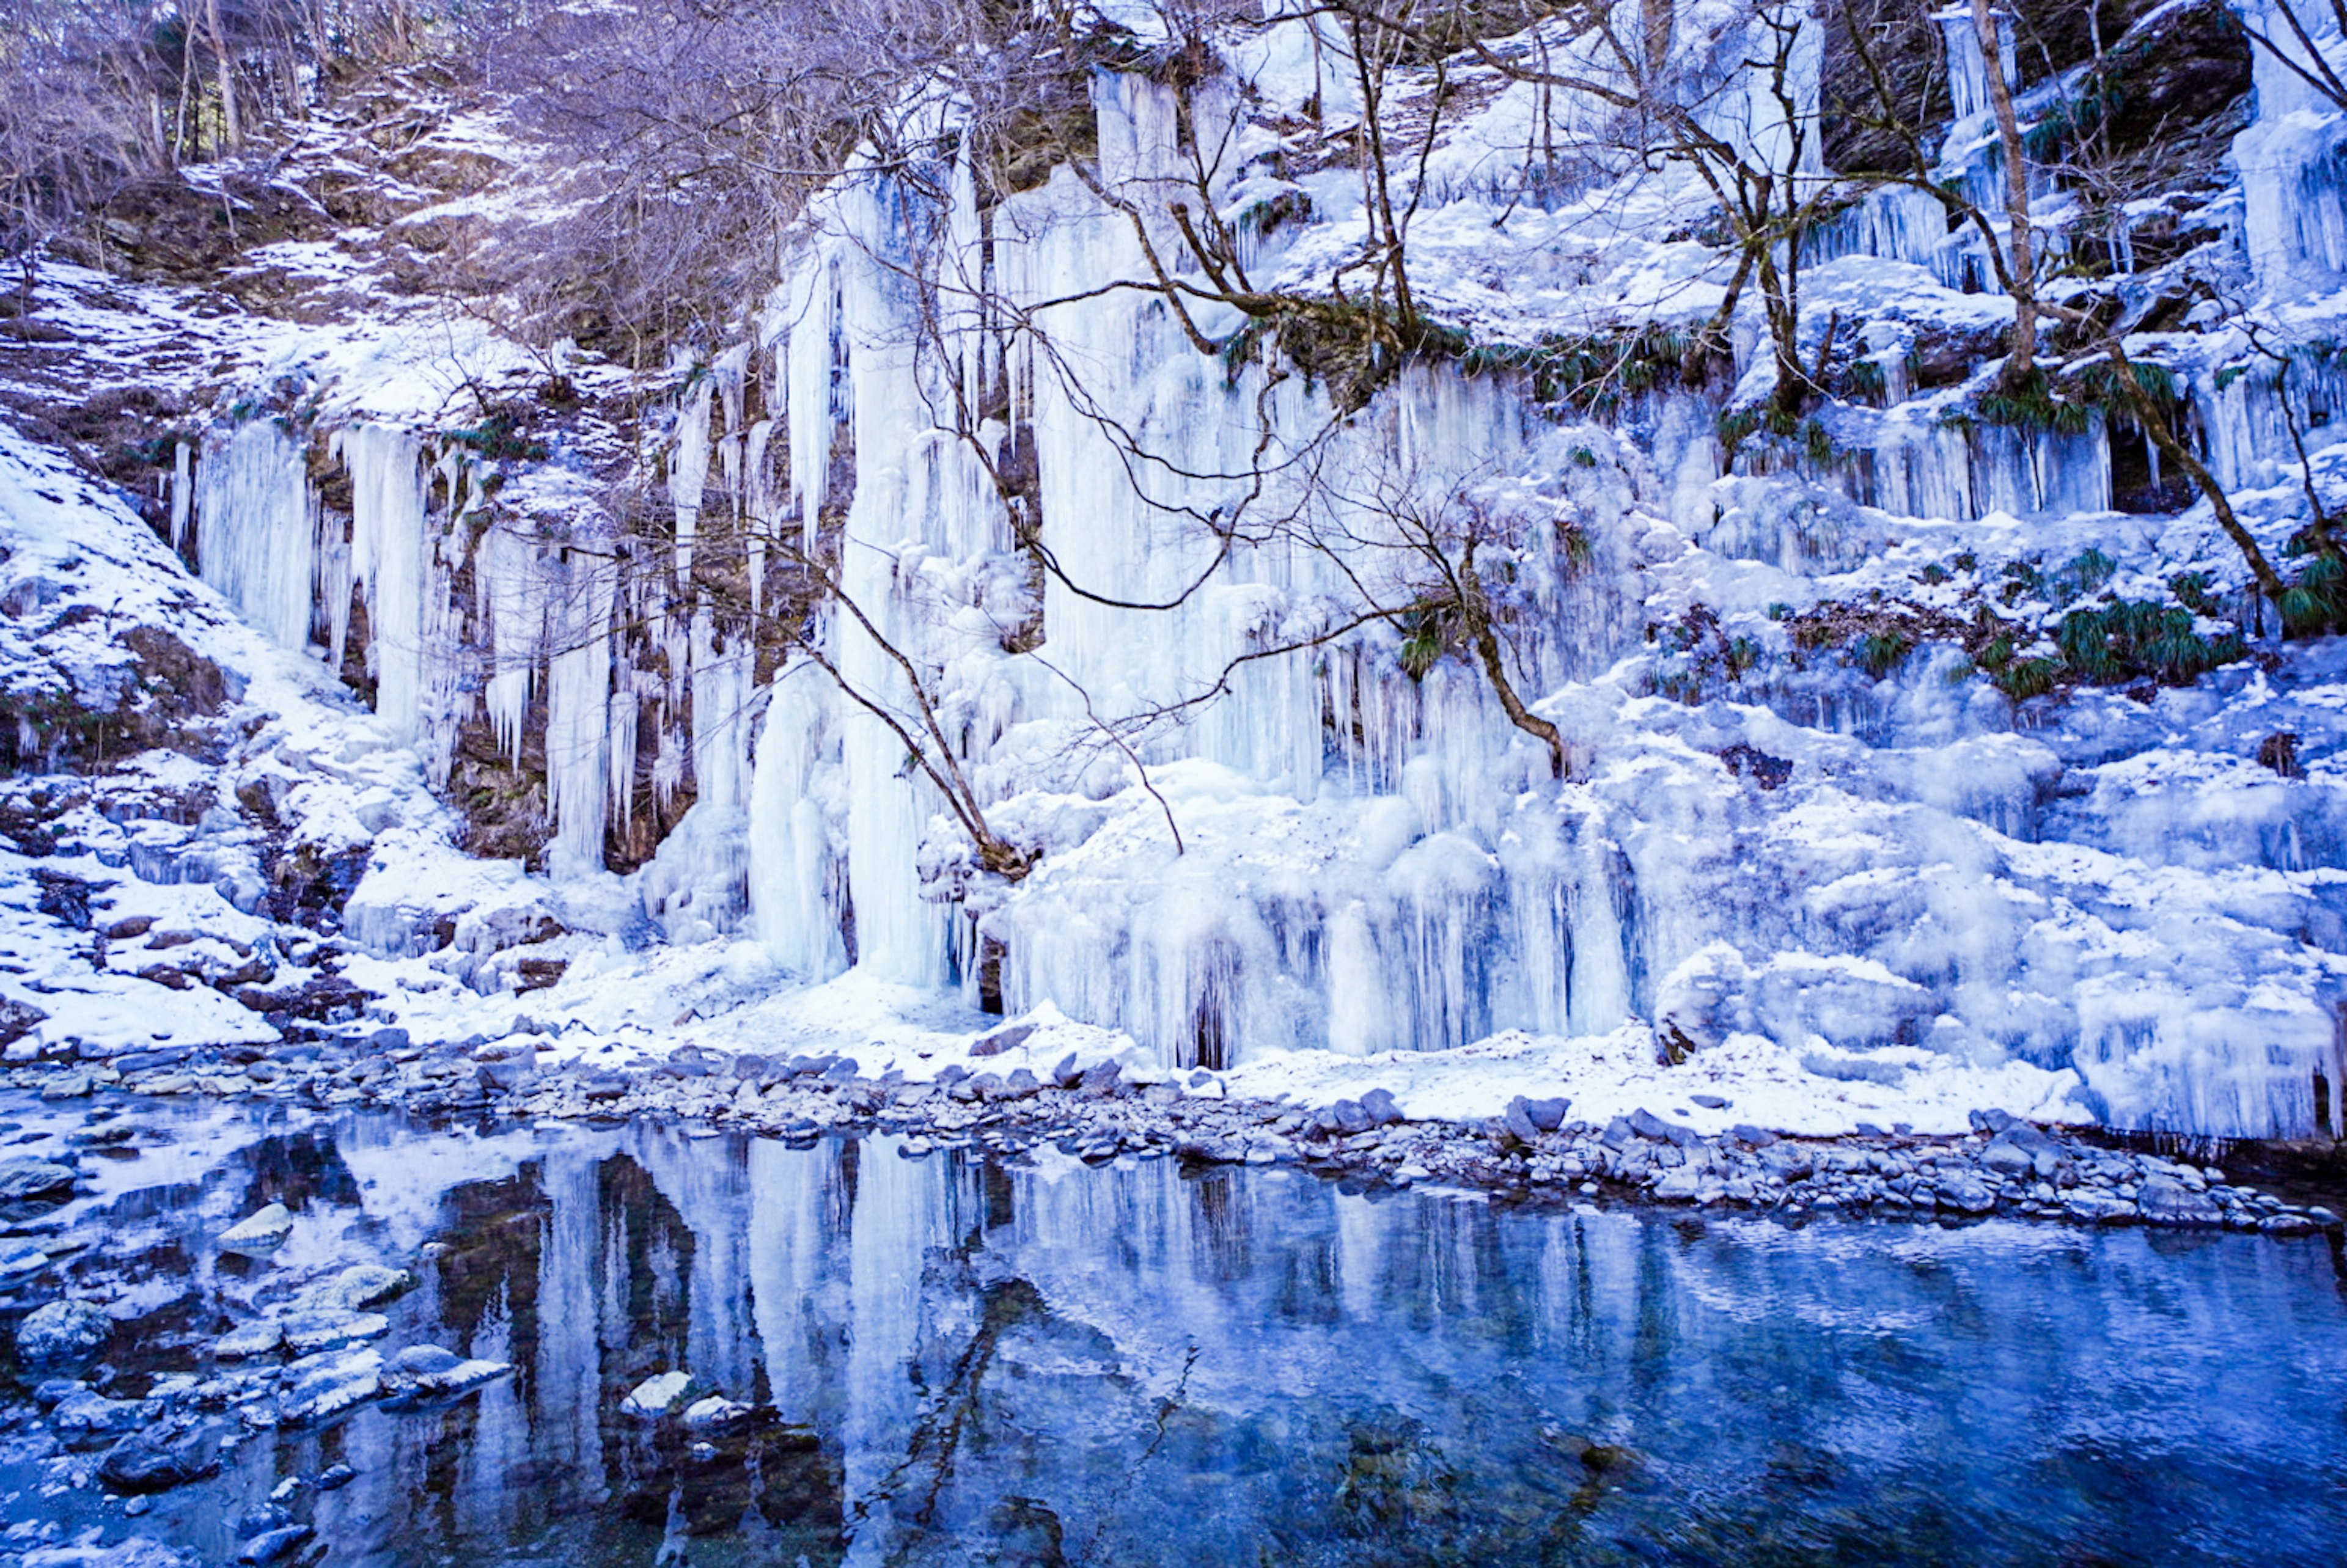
(971, 1363)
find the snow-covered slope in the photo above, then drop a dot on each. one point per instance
(1820, 835)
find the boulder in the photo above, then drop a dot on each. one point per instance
(330, 1328)
(1009, 1037)
(327, 1384)
(159, 1458)
(2164, 1200)
(274, 1545)
(427, 1371)
(62, 1335)
(1548, 1115)
(360, 1285)
(657, 1395)
(257, 1338)
(265, 1228)
(23, 1176)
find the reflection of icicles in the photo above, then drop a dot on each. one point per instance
(254, 529)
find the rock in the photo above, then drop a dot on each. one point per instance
(2164, 1200)
(337, 1476)
(427, 1371)
(25, 1176)
(1378, 1105)
(62, 1335)
(264, 1228)
(1009, 1037)
(1066, 1073)
(1102, 1080)
(716, 1411)
(330, 1328)
(1751, 1137)
(19, 1019)
(1518, 1121)
(21, 1260)
(274, 1545)
(83, 1414)
(2287, 1225)
(1021, 1084)
(1967, 1194)
(1345, 1117)
(657, 1395)
(2088, 1206)
(257, 1338)
(1709, 1101)
(1679, 1185)
(1548, 1115)
(361, 1284)
(78, 1084)
(1989, 1122)
(159, 1459)
(261, 1518)
(2008, 1159)
(1646, 1125)
(1785, 1161)
(329, 1383)
(1618, 1133)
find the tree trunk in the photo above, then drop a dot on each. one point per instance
(2020, 358)
(232, 126)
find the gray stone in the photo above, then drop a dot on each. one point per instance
(361, 1284)
(83, 1414)
(257, 1338)
(427, 1371)
(1009, 1037)
(1102, 1080)
(1967, 1194)
(1066, 1073)
(2088, 1206)
(337, 1476)
(1548, 1115)
(62, 1335)
(330, 1328)
(1709, 1101)
(1679, 1185)
(1750, 1136)
(274, 1546)
(1517, 1120)
(329, 1383)
(159, 1459)
(2164, 1200)
(2287, 1225)
(1618, 1133)
(1379, 1104)
(2008, 1159)
(1646, 1125)
(24, 1176)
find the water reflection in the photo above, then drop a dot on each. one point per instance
(965, 1364)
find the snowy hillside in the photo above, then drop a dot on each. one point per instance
(1323, 570)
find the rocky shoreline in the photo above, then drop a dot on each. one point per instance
(1535, 1152)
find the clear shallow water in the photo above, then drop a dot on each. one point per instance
(975, 1365)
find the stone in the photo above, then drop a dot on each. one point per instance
(337, 1476)
(425, 1371)
(24, 1177)
(716, 1411)
(274, 1545)
(159, 1458)
(1967, 1194)
(1679, 1185)
(2164, 1200)
(1709, 1101)
(360, 1285)
(1548, 1115)
(2287, 1225)
(1646, 1125)
(1517, 1120)
(21, 1260)
(1066, 1073)
(1102, 1080)
(329, 1383)
(261, 1518)
(264, 1228)
(62, 1335)
(257, 1338)
(1618, 1133)
(2087, 1206)
(78, 1084)
(657, 1395)
(994, 1042)
(1379, 1104)
(2008, 1159)
(330, 1328)
(83, 1414)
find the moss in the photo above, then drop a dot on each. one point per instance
(1880, 652)
(1592, 372)
(498, 435)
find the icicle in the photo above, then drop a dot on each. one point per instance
(577, 711)
(183, 494)
(393, 557)
(688, 473)
(256, 529)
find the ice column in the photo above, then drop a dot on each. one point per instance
(255, 529)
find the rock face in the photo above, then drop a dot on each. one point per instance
(62, 1335)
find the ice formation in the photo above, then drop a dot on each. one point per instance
(1259, 827)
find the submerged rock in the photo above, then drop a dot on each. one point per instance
(265, 1227)
(159, 1458)
(657, 1395)
(425, 1371)
(330, 1328)
(257, 1338)
(329, 1383)
(62, 1335)
(361, 1285)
